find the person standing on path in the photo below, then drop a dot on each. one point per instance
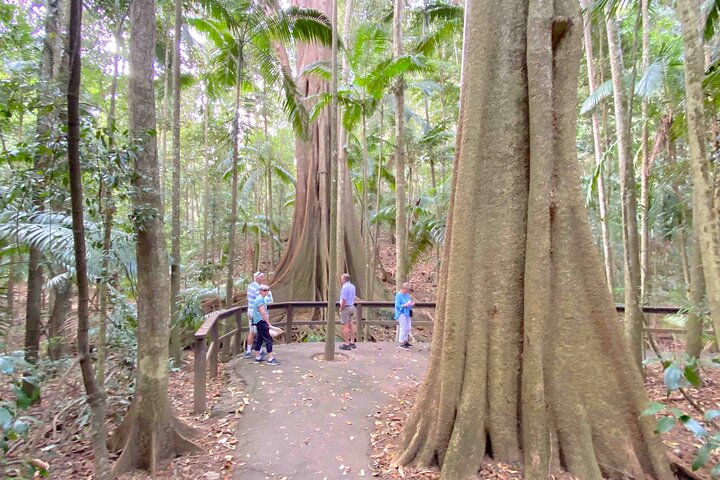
(403, 307)
(347, 311)
(252, 294)
(261, 320)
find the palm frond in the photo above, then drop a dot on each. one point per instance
(284, 175)
(369, 41)
(602, 92)
(652, 80)
(320, 69)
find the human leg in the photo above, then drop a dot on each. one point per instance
(263, 336)
(404, 324)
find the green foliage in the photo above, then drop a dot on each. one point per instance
(679, 375)
(26, 390)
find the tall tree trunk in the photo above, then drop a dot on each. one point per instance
(149, 432)
(175, 255)
(95, 394)
(634, 318)
(164, 123)
(230, 282)
(49, 70)
(696, 294)
(208, 176)
(598, 149)
(706, 199)
(645, 163)
(400, 218)
(335, 238)
(535, 368)
(108, 212)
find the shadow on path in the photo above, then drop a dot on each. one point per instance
(310, 419)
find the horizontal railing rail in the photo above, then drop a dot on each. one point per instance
(220, 335)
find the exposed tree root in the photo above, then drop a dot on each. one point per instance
(145, 443)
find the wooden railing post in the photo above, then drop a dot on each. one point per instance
(199, 384)
(288, 323)
(214, 350)
(238, 336)
(358, 327)
(227, 343)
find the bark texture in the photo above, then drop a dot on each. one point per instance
(401, 254)
(634, 318)
(598, 149)
(536, 367)
(706, 199)
(149, 432)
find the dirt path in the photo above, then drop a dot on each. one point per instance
(310, 419)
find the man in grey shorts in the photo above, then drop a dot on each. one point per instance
(347, 311)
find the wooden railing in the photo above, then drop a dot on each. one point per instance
(220, 336)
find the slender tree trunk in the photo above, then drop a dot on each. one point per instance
(634, 318)
(696, 294)
(706, 200)
(62, 294)
(599, 157)
(49, 71)
(164, 120)
(108, 212)
(400, 218)
(336, 236)
(149, 432)
(378, 188)
(208, 176)
(95, 394)
(535, 369)
(645, 163)
(230, 282)
(175, 255)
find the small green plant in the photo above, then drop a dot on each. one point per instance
(26, 391)
(677, 376)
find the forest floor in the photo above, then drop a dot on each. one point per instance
(58, 435)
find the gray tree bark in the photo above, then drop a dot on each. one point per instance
(149, 432)
(634, 318)
(706, 198)
(535, 369)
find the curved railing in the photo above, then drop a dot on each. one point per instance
(220, 336)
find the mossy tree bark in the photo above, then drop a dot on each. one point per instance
(303, 271)
(634, 318)
(706, 197)
(149, 432)
(536, 366)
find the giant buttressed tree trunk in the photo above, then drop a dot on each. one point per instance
(303, 270)
(149, 432)
(706, 198)
(536, 366)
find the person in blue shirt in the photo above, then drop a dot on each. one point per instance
(347, 311)
(252, 294)
(261, 320)
(403, 309)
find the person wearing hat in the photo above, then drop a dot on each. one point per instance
(403, 309)
(252, 294)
